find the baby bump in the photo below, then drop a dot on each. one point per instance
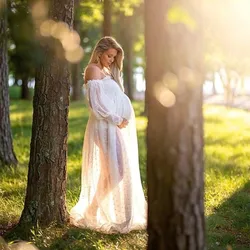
(125, 107)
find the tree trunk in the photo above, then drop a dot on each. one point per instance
(45, 195)
(175, 129)
(127, 41)
(76, 83)
(75, 68)
(16, 81)
(214, 84)
(242, 85)
(7, 155)
(107, 13)
(25, 89)
(128, 71)
(227, 89)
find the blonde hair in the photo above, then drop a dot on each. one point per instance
(103, 45)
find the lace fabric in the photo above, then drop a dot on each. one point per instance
(111, 198)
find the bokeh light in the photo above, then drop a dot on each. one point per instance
(39, 10)
(46, 26)
(60, 30)
(170, 80)
(74, 56)
(71, 40)
(164, 95)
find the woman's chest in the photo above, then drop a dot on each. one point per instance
(111, 89)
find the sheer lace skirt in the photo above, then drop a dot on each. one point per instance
(111, 198)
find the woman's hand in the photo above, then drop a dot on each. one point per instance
(123, 124)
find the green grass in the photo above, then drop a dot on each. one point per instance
(227, 194)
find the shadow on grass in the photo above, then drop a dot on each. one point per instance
(75, 147)
(142, 155)
(68, 237)
(230, 222)
(18, 191)
(78, 239)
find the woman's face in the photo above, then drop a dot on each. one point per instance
(108, 57)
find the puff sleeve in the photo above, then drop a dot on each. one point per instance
(101, 105)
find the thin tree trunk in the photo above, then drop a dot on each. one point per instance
(16, 81)
(128, 71)
(227, 88)
(25, 89)
(127, 41)
(242, 85)
(45, 195)
(175, 130)
(107, 13)
(7, 155)
(214, 85)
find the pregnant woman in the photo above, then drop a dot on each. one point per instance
(112, 198)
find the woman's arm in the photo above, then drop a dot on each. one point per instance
(99, 102)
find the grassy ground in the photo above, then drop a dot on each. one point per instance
(227, 194)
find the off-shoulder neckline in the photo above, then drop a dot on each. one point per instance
(91, 80)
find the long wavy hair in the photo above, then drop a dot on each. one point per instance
(104, 44)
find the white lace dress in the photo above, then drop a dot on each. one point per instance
(112, 198)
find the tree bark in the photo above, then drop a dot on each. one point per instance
(45, 195)
(75, 68)
(127, 41)
(76, 83)
(128, 72)
(175, 130)
(107, 13)
(128, 61)
(25, 89)
(7, 155)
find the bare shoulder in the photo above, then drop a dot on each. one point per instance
(92, 72)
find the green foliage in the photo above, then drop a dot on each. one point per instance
(178, 14)
(24, 51)
(127, 7)
(91, 13)
(128, 27)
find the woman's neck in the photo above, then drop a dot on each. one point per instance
(103, 69)
(99, 65)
